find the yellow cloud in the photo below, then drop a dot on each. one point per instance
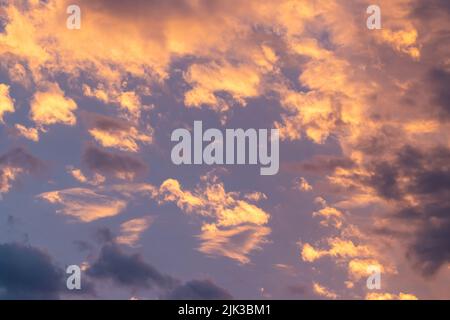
(403, 41)
(242, 212)
(390, 296)
(51, 106)
(235, 243)
(238, 227)
(240, 81)
(78, 175)
(303, 185)
(28, 133)
(131, 230)
(331, 216)
(339, 248)
(360, 268)
(7, 176)
(171, 191)
(6, 102)
(323, 292)
(83, 204)
(126, 140)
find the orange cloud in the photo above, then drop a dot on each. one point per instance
(28, 133)
(323, 292)
(390, 296)
(6, 102)
(51, 107)
(131, 230)
(83, 204)
(238, 227)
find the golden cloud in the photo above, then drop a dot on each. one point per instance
(51, 107)
(131, 230)
(6, 102)
(83, 204)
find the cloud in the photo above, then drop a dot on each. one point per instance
(15, 162)
(361, 268)
(239, 81)
(232, 227)
(366, 95)
(331, 216)
(131, 230)
(170, 190)
(418, 182)
(84, 205)
(339, 248)
(303, 185)
(51, 107)
(235, 243)
(28, 273)
(6, 102)
(114, 133)
(28, 133)
(390, 296)
(323, 292)
(128, 270)
(198, 290)
(78, 175)
(114, 165)
(321, 164)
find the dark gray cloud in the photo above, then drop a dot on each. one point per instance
(112, 164)
(21, 158)
(428, 173)
(320, 164)
(17, 158)
(28, 273)
(128, 270)
(133, 272)
(198, 290)
(426, 9)
(105, 235)
(440, 81)
(104, 123)
(425, 176)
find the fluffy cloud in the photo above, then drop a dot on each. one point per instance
(235, 243)
(51, 107)
(6, 102)
(28, 273)
(28, 133)
(128, 270)
(233, 227)
(323, 292)
(78, 175)
(380, 97)
(114, 133)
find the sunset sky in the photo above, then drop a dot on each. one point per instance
(86, 176)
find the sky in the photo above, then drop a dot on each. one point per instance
(86, 176)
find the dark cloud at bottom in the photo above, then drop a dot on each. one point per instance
(132, 271)
(28, 273)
